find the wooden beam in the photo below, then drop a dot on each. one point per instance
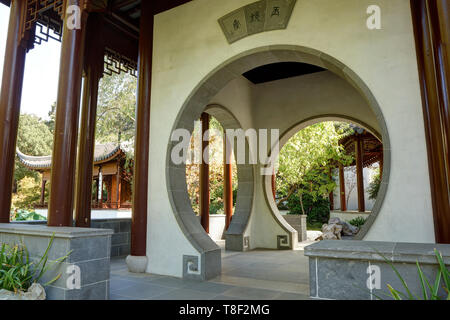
(204, 175)
(141, 150)
(431, 21)
(64, 154)
(10, 99)
(359, 174)
(342, 188)
(93, 66)
(228, 180)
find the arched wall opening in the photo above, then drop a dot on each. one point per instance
(240, 235)
(286, 136)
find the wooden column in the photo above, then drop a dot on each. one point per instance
(331, 196)
(342, 188)
(64, 154)
(359, 173)
(44, 182)
(118, 184)
(10, 97)
(431, 20)
(227, 180)
(93, 69)
(141, 150)
(274, 186)
(100, 188)
(204, 174)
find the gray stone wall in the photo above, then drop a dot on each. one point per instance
(120, 240)
(355, 270)
(84, 274)
(298, 222)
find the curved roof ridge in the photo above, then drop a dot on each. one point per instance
(102, 152)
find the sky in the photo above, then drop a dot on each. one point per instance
(41, 72)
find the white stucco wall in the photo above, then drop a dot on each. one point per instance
(189, 44)
(350, 178)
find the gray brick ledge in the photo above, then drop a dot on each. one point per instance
(367, 251)
(59, 232)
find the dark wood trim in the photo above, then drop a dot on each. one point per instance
(141, 150)
(204, 175)
(228, 181)
(60, 212)
(10, 99)
(431, 23)
(360, 174)
(342, 188)
(93, 67)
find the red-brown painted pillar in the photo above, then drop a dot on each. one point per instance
(93, 67)
(274, 186)
(141, 150)
(64, 154)
(228, 181)
(359, 174)
(331, 196)
(100, 188)
(431, 20)
(10, 97)
(342, 188)
(204, 174)
(118, 185)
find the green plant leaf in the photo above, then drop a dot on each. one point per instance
(422, 281)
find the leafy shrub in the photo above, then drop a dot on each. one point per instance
(430, 291)
(17, 273)
(316, 211)
(357, 222)
(24, 215)
(374, 187)
(28, 193)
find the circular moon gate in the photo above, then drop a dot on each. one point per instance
(197, 103)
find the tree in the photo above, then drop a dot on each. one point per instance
(374, 186)
(51, 118)
(116, 108)
(33, 138)
(305, 161)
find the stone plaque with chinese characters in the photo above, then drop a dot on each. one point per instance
(264, 15)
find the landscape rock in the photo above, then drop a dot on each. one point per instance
(336, 228)
(35, 292)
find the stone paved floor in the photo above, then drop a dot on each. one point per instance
(255, 275)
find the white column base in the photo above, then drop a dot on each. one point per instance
(136, 264)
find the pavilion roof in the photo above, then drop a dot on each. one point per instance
(102, 153)
(372, 146)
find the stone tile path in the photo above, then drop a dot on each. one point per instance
(255, 275)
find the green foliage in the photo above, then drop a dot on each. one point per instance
(429, 292)
(357, 222)
(317, 210)
(24, 215)
(18, 273)
(33, 138)
(374, 186)
(28, 193)
(116, 108)
(306, 160)
(314, 226)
